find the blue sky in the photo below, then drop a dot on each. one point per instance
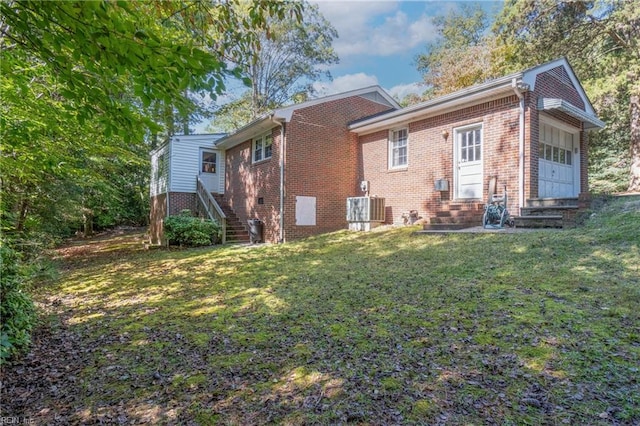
(378, 41)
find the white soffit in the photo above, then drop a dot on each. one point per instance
(552, 104)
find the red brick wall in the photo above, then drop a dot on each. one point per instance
(245, 183)
(179, 201)
(584, 164)
(555, 83)
(430, 157)
(320, 162)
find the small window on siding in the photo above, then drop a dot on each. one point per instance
(398, 148)
(262, 147)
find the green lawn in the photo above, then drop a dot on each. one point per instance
(369, 328)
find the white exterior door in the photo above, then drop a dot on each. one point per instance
(209, 173)
(468, 162)
(558, 168)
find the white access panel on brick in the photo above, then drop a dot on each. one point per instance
(305, 211)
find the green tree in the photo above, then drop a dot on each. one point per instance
(462, 56)
(85, 85)
(282, 65)
(601, 41)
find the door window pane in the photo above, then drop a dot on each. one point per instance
(268, 142)
(470, 148)
(257, 152)
(208, 162)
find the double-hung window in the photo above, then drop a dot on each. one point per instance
(398, 153)
(262, 147)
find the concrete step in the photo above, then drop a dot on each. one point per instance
(476, 221)
(552, 202)
(546, 210)
(459, 213)
(447, 226)
(538, 221)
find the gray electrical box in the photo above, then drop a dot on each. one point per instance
(441, 185)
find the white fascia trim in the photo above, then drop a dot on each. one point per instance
(201, 137)
(287, 112)
(247, 132)
(590, 120)
(283, 115)
(475, 94)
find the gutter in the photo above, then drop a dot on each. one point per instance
(518, 88)
(440, 105)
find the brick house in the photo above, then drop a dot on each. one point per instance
(294, 168)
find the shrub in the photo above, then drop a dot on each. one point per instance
(186, 230)
(16, 307)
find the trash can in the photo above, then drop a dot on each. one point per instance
(255, 231)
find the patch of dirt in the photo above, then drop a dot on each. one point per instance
(115, 241)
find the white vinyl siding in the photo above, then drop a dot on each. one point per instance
(221, 171)
(184, 163)
(398, 148)
(160, 164)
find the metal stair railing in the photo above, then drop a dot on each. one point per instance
(211, 206)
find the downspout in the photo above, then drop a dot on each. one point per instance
(518, 91)
(282, 152)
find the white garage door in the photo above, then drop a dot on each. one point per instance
(558, 165)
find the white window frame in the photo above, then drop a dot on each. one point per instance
(202, 162)
(261, 147)
(392, 148)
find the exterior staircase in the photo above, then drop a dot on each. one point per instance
(457, 216)
(548, 213)
(236, 231)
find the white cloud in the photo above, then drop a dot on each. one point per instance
(402, 90)
(345, 83)
(348, 82)
(361, 30)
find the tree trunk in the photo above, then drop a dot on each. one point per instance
(87, 216)
(22, 214)
(634, 183)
